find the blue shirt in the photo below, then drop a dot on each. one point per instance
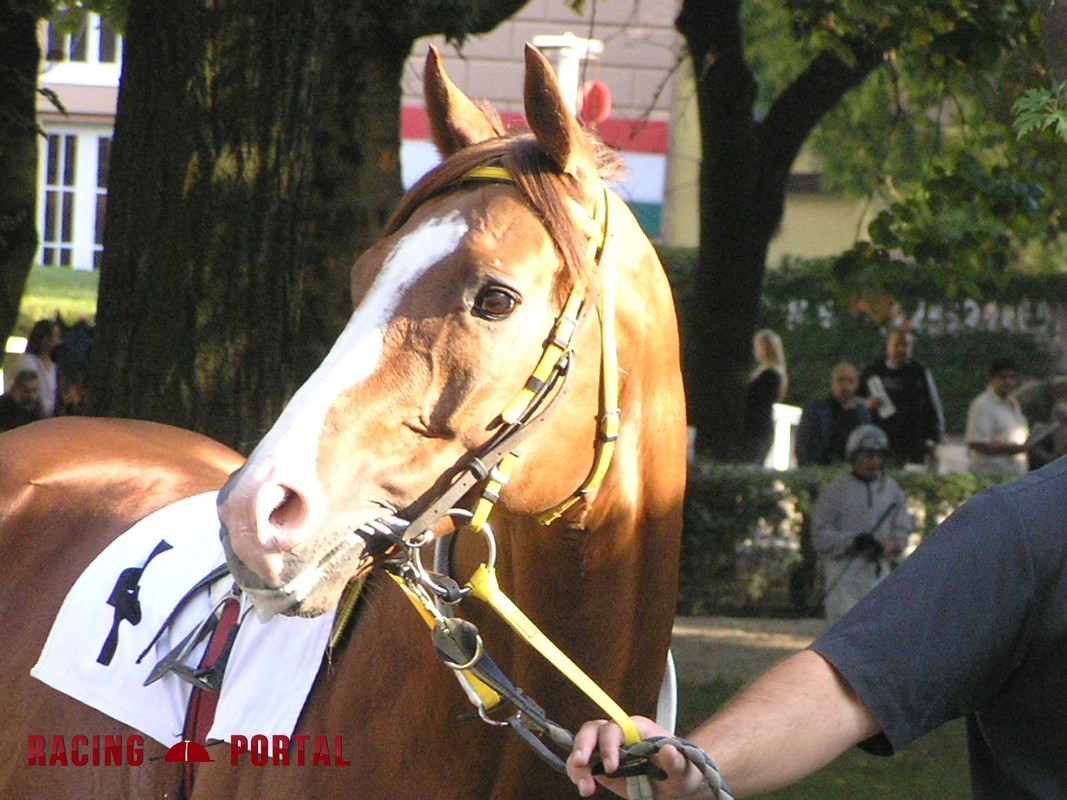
(974, 624)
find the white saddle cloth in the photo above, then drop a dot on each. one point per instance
(271, 668)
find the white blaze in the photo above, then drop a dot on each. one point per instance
(292, 442)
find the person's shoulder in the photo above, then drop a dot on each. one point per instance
(815, 406)
(984, 397)
(843, 481)
(1051, 478)
(1037, 499)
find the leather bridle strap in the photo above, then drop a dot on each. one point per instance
(548, 383)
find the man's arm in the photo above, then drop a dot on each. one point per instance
(787, 724)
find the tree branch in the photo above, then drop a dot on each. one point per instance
(813, 94)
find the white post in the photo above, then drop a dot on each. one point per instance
(567, 52)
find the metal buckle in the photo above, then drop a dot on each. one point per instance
(207, 678)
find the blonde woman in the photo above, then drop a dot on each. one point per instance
(766, 386)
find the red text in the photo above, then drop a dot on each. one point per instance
(281, 751)
(82, 750)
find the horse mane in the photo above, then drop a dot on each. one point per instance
(544, 186)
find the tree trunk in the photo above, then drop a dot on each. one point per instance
(1054, 37)
(256, 154)
(208, 205)
(743, 174)
(19, 60)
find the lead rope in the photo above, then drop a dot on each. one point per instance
(460, 647)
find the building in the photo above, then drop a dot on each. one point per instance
(639, 62)
(82, 72)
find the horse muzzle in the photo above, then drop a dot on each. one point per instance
(306, 585)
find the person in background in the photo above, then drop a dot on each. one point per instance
(45, 336)
(21, 404)
(859, 523)
(766, 386)
(826, 423)
(902, 393)
(1048, 440)
(73, 391)
(997, 429)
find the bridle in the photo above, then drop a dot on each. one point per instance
(492, 463)
(435, 594)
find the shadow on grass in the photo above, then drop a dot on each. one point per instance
(934, 766)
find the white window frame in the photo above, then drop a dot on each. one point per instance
(84, 190)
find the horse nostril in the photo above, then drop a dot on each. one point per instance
(285, 508)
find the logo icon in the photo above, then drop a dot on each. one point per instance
(185, 752)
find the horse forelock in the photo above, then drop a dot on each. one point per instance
(545, 188)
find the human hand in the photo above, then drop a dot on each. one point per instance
(607, 738)
(864, 544)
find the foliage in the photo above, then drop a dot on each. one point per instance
(746, 547)
(1042, 109)
(928, 137)
(70, 17)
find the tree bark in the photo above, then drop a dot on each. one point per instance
(744, 169)
(19, 60)
(1054, 37)
(256, 154)
(208, 213)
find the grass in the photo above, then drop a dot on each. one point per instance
(57, 290)
(934, 766)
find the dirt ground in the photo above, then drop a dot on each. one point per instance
(733, 647)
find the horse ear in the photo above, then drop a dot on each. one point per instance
(556, 128)
(455, 121)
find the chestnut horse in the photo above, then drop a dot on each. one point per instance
(454, 308)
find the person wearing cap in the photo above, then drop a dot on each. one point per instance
(859, 523)
(973, 625)
(997, 429)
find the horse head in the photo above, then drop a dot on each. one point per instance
(494, 255)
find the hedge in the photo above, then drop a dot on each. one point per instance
(746, 546)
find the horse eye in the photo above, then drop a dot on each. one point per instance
(494, 303)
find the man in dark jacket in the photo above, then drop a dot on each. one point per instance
(825, 424)
(902, 393)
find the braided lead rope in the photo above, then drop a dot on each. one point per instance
(646, 748)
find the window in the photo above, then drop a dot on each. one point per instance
(61, 160)
(103, 164)
(93, 41)
(74, 173)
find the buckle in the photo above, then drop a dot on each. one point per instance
(208, 678)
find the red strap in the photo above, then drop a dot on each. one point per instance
(202, 703)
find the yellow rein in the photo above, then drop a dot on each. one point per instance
(483, 584)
